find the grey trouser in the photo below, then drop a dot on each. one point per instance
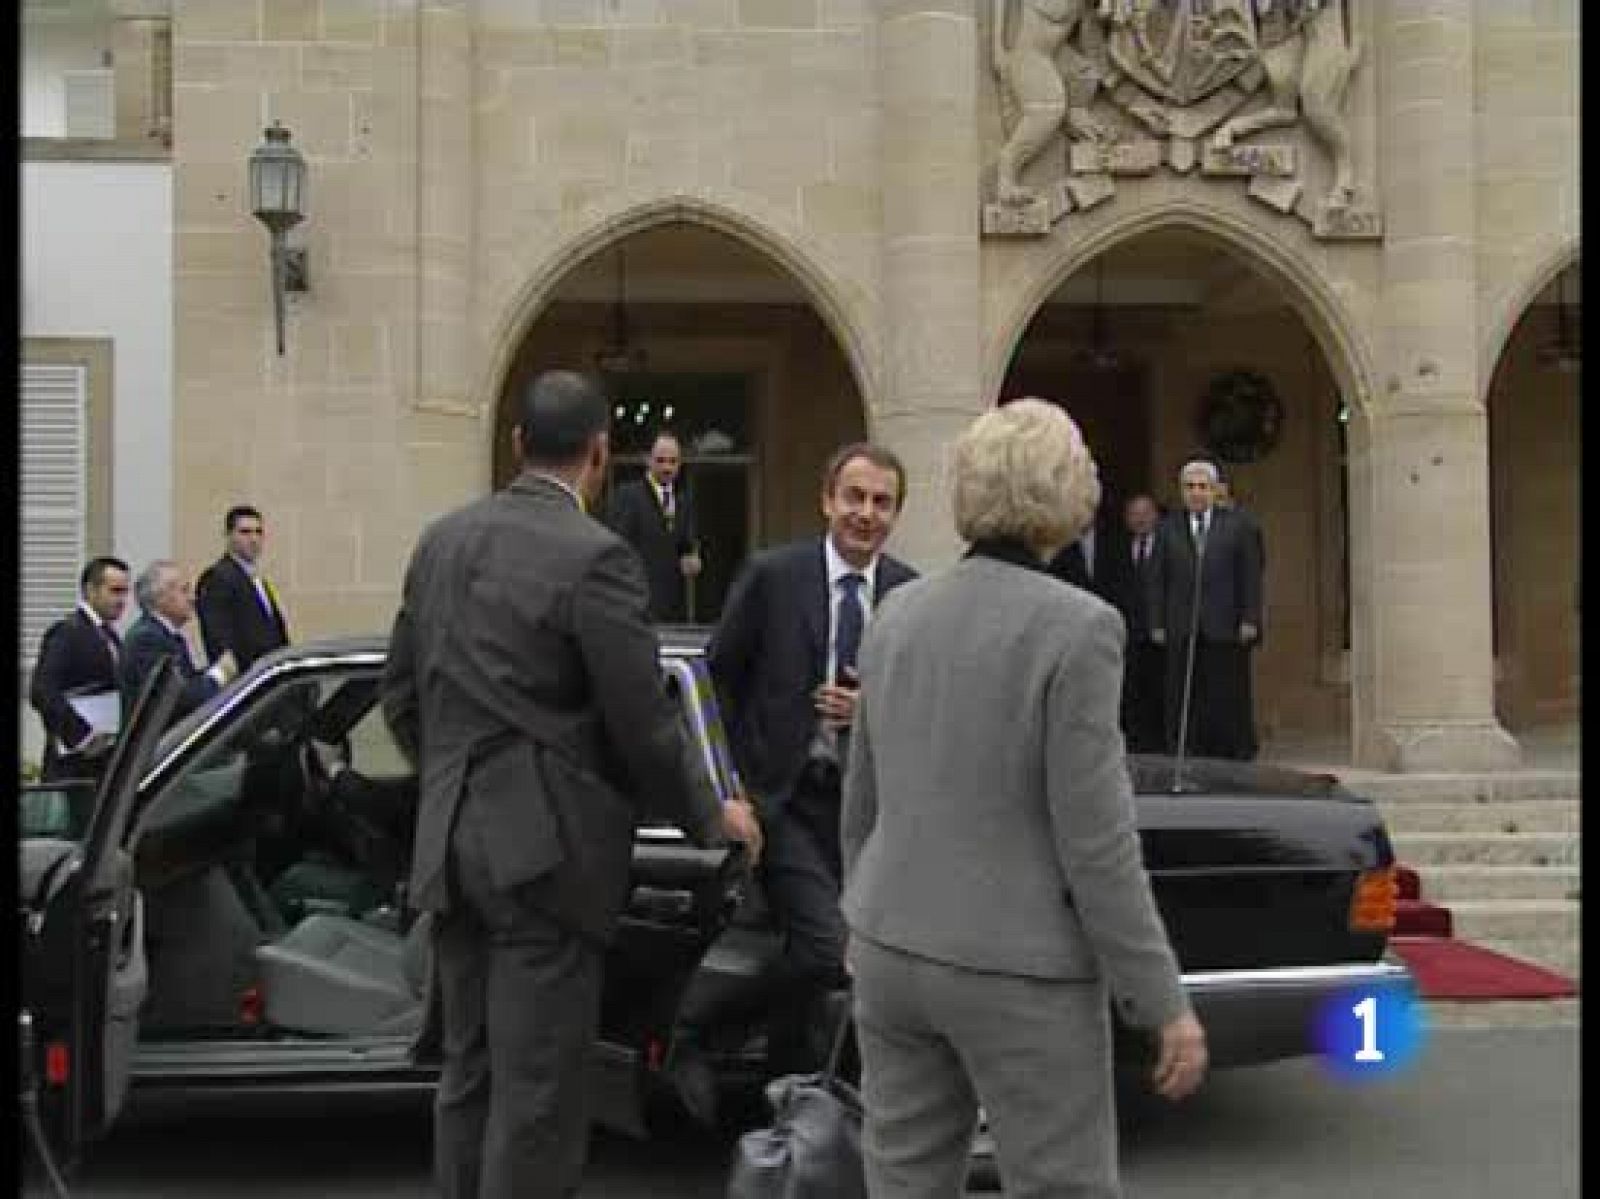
(938, 1041)
(521, 1003)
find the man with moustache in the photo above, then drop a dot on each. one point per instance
(783, 658)
(1144, 673)
(655, 515)
(1225, 553)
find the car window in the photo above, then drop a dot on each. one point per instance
(374, 753)
(59, 811)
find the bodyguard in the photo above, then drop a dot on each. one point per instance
(524, 681)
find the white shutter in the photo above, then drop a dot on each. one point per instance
(55, 494)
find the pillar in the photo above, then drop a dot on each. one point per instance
(1420, 450)
(932, 381)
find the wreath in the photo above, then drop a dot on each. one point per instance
(1241, 417)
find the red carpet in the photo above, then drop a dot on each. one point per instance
(1445, 968)
(1448, 969)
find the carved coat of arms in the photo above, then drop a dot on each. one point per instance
(1138, 84)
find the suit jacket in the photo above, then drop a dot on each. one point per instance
(1108, 579)
(1230, 578)
(523, 676)
(637, 516)
(74, 659)
(1132, 594)
(147, 642)
(988, 817)
(232, 617)
(769, 653)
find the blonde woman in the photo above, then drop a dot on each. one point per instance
(994, 890)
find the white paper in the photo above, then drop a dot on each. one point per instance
(102, 713)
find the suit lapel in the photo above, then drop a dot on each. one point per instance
(814, 587)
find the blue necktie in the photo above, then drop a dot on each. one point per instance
(851, 621)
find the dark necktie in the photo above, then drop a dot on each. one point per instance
(113, 642)
(1199, 528)
(851, 621)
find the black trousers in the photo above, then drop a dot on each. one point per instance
(802, 873)
(1144, 686)
(520, 1001)
(1221, 716)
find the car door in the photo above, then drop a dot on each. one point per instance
(84, 973)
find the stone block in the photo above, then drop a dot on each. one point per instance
(324, 68)
(360, 21)
(383, 127)
(1118, 158)
(230, 251)
(1276, 192)
(843, 208)
(320, 121)
(286, 472)
(778, 14)
(217, 349)
(651, 47)
(218, 125)
(202, 62)
(573, 12)
(581, 47)
(637, 13)
(1088, 190)
(359, 352)
(1347, 224)
(327, 549)
(216, 21)
(290, 20)
(1273, 160)
(1182, 154)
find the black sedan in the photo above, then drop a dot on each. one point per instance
(228, 910)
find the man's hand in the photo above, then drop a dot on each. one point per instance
(1159, 636)
(836, 704)
(739, 823)
(1181, 1063)
(1248, 632)
(226, 668)
(690, 565)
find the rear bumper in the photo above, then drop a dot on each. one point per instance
(1255, 1016)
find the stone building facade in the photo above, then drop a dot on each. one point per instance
(840, 203)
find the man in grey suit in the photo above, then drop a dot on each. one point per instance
(523, 679)
(993, 885)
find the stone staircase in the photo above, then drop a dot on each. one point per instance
(1500, 851)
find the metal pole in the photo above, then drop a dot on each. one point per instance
(279, 281)
(1188, 669)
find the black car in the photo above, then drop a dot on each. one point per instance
(228, 911)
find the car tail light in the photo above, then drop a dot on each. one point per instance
(1372, 905)
(250, 1007)
(57, 1064)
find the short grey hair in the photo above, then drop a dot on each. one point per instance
(1022, 471)
(1200, 465)
(152, 582)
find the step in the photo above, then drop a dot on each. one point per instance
(1489, 849)
(1519, 920)
(1562, 956)
(1496, 816)
(1451, 884)
(1512, 787)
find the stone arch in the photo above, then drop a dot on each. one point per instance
(1552, 255)
(1303, 286)
(606, 226)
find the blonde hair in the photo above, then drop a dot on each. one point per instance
(1022, 471)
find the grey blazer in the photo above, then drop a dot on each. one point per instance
(523, 672)
(988, 814)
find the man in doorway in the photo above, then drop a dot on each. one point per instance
(524, 681)
(167, 605)
(1205, 583)
(1144, 672)
(79, 659)
(1093, 562)
(783, 659)
(1226, 499)
(655, 515)
(239, 610)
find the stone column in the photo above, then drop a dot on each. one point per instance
(932, 378)
(1421, 450)
(444, 204)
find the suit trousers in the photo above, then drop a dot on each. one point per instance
(1144, 683)
(937, 1041)
(520, 1012)
(1221, 721)
(803, 872)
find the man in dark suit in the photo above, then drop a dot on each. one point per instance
(166, 604)
(1225, 499)
(655, 514)
(1211, 545)
(783, 659)
(1144, 673)
(239, 609)
(1094, 561)
(79, 657)
(523, 679)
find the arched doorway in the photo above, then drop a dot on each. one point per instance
(699, 332)
(1533, 467)
(1132, 343)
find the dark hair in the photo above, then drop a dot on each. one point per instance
(558, 413)
(95, 571)
(880, 457)
(240, 512)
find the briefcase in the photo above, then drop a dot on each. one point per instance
(813, 1149)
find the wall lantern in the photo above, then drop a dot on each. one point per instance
(277, 197)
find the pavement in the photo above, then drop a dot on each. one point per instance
(1484, 1113)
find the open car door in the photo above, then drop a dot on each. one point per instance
(84, 976)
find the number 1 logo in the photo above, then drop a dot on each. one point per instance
(1369, 1033)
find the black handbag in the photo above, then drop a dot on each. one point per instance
(813, 1149)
